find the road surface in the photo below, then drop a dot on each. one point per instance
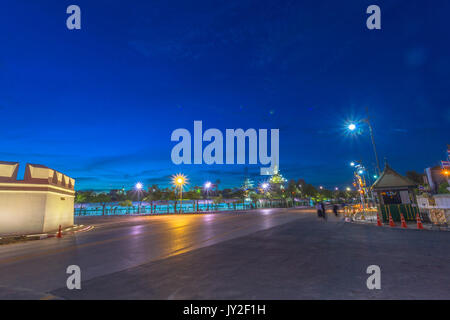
(261, 254)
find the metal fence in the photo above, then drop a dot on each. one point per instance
(186, 207)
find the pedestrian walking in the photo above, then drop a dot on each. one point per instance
(335, 210)
(319, 209)
(324, 211)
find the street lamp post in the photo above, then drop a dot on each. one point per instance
(138, 187)
(352, 127)
(179, 181)
(367, 120)
(207, 187)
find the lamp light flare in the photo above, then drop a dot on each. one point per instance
(139, 186)
(265, 186)
(207, 185)
(179, 180)
(351, 126)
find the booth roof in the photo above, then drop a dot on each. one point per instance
(391, 179)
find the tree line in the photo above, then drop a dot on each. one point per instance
(280, 192)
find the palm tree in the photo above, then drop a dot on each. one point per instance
(255, 197)
(80, 198)
(216, 185)
(240, 194)
(103, 199)
(170, 194)
(194, 194)
(154, 194)
(127, 204)
(217, 200)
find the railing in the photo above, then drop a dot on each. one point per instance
(409, 212)
(187, 207)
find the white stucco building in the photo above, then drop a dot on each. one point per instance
(41, 202)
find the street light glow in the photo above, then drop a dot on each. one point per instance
(348, 189)
(351, 126)
(265, 186)
(207, 185)
(179, 180)
(138, 186)
(352, 164)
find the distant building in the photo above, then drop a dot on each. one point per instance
(434, 178)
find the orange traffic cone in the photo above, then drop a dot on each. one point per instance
(59, 235)
(419, 222)
(378, 220)
(391, 222)
(403, 221)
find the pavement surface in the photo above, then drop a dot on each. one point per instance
(260, 254)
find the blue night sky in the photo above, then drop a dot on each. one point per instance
(99, 104)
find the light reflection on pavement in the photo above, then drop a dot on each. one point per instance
(118, 243)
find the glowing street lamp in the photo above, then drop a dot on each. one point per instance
(352, 127)
(348, 189)
(207, 186)
(179, 180)
(352, 164)
(138, 186)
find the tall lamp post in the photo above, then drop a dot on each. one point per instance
(138, 186)
(353, 126)
(207, 186)
(179, 180)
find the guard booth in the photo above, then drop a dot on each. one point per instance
(395, 194)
